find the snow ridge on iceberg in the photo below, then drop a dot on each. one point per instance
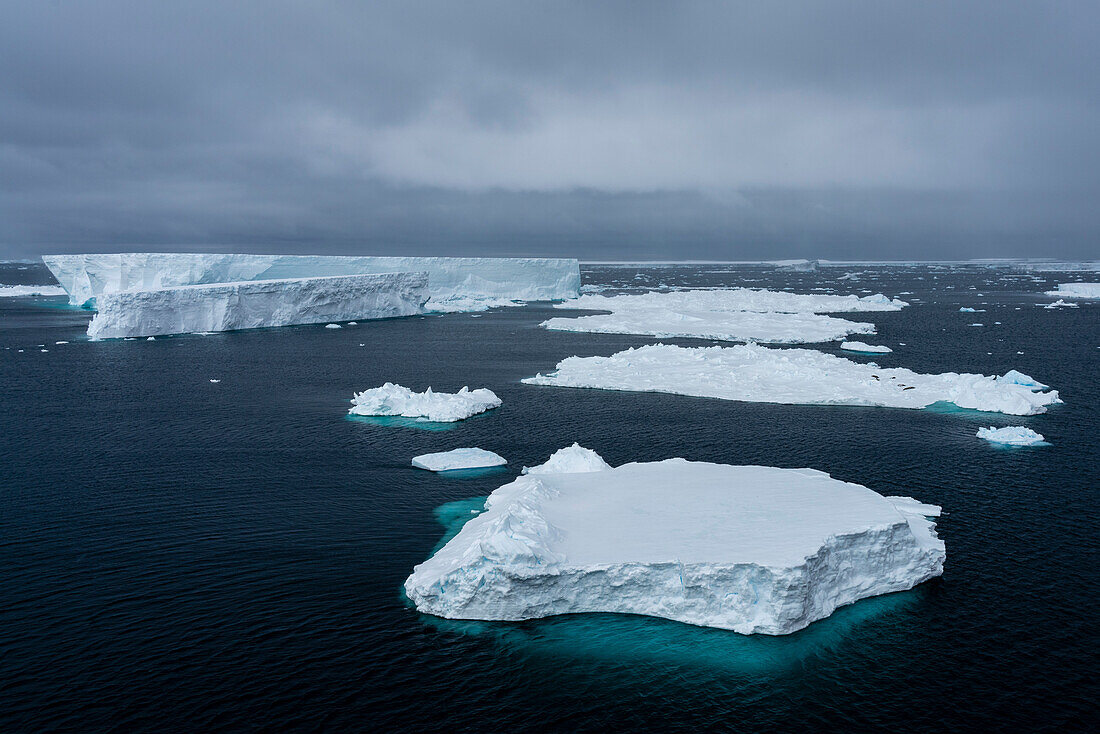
(441, 407)
(257, 304)
(748, 548)
(793, 376)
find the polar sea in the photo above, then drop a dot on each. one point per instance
(182, 554)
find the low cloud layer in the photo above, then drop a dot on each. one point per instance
(603, 130)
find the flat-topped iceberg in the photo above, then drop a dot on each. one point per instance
(1076, 290)
(753, 549)
(257, 304)
(865, 347)
(754, 373)
(87, 276)
(739, 314)
(441, 407)
(1011, 436)
(466, 458)
(15, 291)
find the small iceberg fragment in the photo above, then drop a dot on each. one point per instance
(864, 347)
(967, 309)
(1060, 304)
(16, 291)
(467, 458)
(214, 381)
(753, 549)
(333, 326)
(1011, 436)
(1076, 290)
(396, 400)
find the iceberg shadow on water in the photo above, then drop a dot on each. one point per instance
(628, 639)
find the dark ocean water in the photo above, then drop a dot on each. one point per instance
(182, 555)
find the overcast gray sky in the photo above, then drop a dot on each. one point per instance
(701, 130)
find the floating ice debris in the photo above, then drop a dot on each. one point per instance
(15, 291)
(353, 323)
(967, 309)
(570, 460)
(752, 549)
(1011, 436)
(391, 399)
(1076, 290)
(977, 324)
(1060, 304)
(61, 342)
(151, 339)
(468, 458)
(753, 373)
(332, 326)
(215, 381)
(863, 347)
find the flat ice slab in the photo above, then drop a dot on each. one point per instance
(13, 291)
(85, 277)
(865, 347)
(257, 304)
(1011, 436)
(1076, 290)
(749, 548)
(739, 314)
(469, 458)
(397, 400)
(793, 376)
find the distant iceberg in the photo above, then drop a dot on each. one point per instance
(396, 400)
(753, 373)
(864, 347)
(1011, 436)
(257, 304)
(466, 458)
(753, 549)
(14, 291)
(1076, 290)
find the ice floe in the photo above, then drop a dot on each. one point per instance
(465, 458)
(754, 373)
(1011, 436)
(14, 291)
(396, 400)
(866, 348)
(752, 549)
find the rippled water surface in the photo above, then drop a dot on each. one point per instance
(178, 554)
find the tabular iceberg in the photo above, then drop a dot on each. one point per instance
(739, 314)
(14, 291)
(87, 276)
(1011, 435)
(752, 549)
(441, 407)
(257, 304)
(468, 458)
(865, 347)
(793, 376)
(1076, 290)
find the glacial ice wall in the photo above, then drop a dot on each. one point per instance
(257, 304)
(86, 276)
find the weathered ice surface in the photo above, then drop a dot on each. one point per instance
(256, 304)
(749, 548)
(794, 376)
(85, 277)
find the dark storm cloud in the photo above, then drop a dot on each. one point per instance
(633, 129)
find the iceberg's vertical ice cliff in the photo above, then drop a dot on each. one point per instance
(86, 276)
(256, 304)
(753, 549)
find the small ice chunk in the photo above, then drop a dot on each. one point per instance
(215, 381)
(332, 326)
(967, 309)
(864, 347)
(467, 458)
(396, 400)
(1010, 435)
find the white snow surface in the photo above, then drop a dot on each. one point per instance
(257, 304)
(14, 291)
(1010, 435)
(1076, 290)
(467, 458)
(442, 407)
(754, 373)
(752, 549)
(85, 277)
(739, 314)
(573, 459)
(864, 347)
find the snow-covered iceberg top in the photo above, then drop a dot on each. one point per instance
(257, 304)
(753, 549)
(467, 458)
(754, 373)
(1076, 290)
(442, 407)
(739, 314)
(14, 291)
(865, 347)
(87, 276)
(1011, 436)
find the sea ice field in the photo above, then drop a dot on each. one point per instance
(197, 530)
